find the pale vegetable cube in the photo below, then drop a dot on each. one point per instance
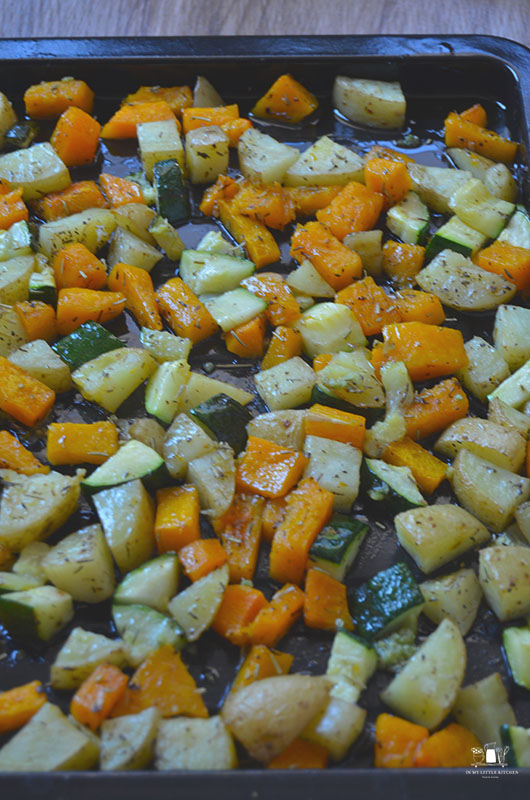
(196, 744)
(205, 95)
(367, 245)
(214, 476)
(38, 170)
(286, 385)
(285, 428)
(41, 362)
(37, 613)
(126, 248)
(12, 333)
(336, 727)
(486, 368)
(515, 390)
(307, 280)
(34, 506)
(262, 159)
(336, 467)
(82, 652)
(49, 742)
(376, 104)
(136, 218)
(509, 417)
(456, 596)
(165, 346)
(503, 447)
(30, 561)
(483, 707)
(436, 185)
(325, 163)
(149, 432)
(353, 374)
(206, 153)
(504, 574)
(195, 608)
(82, 565)
(7, 116)
(511, 335)
(185, 441)
(200, 388)
(92, 228)
(522, 518)
(500, 182)
(329, 328)
(128, 742)
(127, 516)
(14, 278)
(159, 141)
(110, 378)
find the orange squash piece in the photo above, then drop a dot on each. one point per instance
(177, 97)
(310, 199)
(75, 138)
(81, 443)
(331, 423)
(370, 304)
(259, 663)
(75, 266)
(276, 619)
(235, 128)
(273, 514)
(12, 208)
(389, 178)
(402, 262)
(428, 471)
(239, 530)
(37, 318)
(201, 557)
(451, 747)
(396, 741)
(239, 607)
(476, 114)
(177, 520)
(13, 455)
(258, 241)
(268, 469)
(247, 340)
(18, 705)
(284, 344)
(282, 308)
(460, 132)
(24, 397)
(428, 351)
(194, 117)
(435, 408)
(335, 262)
(325, 602)
(355, 208)
(75, 198)
(120, 191)
(184, 312)
(286, 100)
(75, 306)
(301, 754)
(507, 260)
(270, 204)
(51, 98)
(98, 694)
(122, 125)
(224, 188)
(136, 285)
(417, 306)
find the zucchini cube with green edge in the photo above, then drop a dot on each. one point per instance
(43, 286)
(308, 281)
(167, 238)
(393, 485)
(82, 652)
(165, 346)
(225, 419)
(389, 600)
(196, 744)
(483, 707)
(329, 328)
(127, 248)
(14, 278)
(425, 689)
(214, 476)
(48, 501)
(39, 360)
(285, 428)
(81, 564)
(437, 185)
(159, 141)
(409, 219)
(128, 742)
(92, 228)
(16, 241)
(133, 460)
(263, 159)
(457, 596)
(11, 582)
(165, 388)
(286, 385)
(434, 535)
(517, 740)
(352, 659)
(194, 609)
(152, 584)
(325, 163)
(336, 727)
(38, 170)
(112, 377)
(148, 190)
(486, 369)
(376, 104)
(335, 466)
(516, 643)
(206, 153)
(457, 236)
(234, 308)
(143, 630)
(336, 546)
(171, 194)
(459, 284)
(511, 333)
(201, 388)
(207, 272)
(84, 344)
(49, 742)
(185, 441)
(12, 333)
(517, 231)
(21, 135)
(127, 517)
(503, 575)
(36, 614)
(479, 209)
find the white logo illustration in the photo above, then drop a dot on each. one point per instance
(489, 755)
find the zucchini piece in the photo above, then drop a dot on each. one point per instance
(324, 396)
(92, 228)
(474, 163)
(234, 308)
(13, 582)
(409, 219)
(214, 476)
(486, 439)
(152, 584)
(457, 236)
(517, 231)
(329, 328)
(127, 248)
(285, 428)
(503, 575)
(146, 186)
(201, 388)
(325, 163)
(486, 368)
(82, 652)
(376, 104)
(262, 159)
(516, 643)
(81, 564)
(133, 460)
(483, 707)
(390, 600)
(336, 546)
(171, 195)
(434, 535)
(43, 286)
(335, 466)
(39, 360)
(479, 209)
(29, 561)
(206, 153)
(165, 346)
(436, 185)
(393, 485)
(165, 389)
(500, 182)
(36, 614)
(457, 596)
(14, 278)
(16, 241)
(159, 141)
(336, 727)
(351, 659)
(195, 608)
(127, 518)
(308, 281)
(37, 169)
(128, 742)
(194, 744)
(113, 376)
(511, 334)
(49, 742)
(144, 630)
(89, 341)
(395, 649)
(517, 742)
(286, 385)
(204, 271)
(167, 238)
(426, 688)
(184, 442)
(224, 419)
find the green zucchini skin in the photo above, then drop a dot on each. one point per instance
(336, 546)
(225, 419)
(384, 603)
(320, 395)
(86, 343)
(21, 135)
(42, 286)
(378, 489)
(171, 195)
(133, 460)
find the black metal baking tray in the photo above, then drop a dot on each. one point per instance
(438, 74)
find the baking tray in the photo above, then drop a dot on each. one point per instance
(438, 74)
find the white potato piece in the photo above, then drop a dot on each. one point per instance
(262, 159)
(307, 280)
(127, 248)
(336, 467)
(522, 518)
(329, 328)
(39, 360)
(185, 441)
(29, 561)
(325, 163)
(82, 652)
(377, 104)
(92, 228)
(127, 517)
(509, 417)
(425, 690)
(200, 388)
(500, 182)
(515, 390)
(456, 596)
(12, 333)
(285, 428)
(352, 377)
(486, 439)
(7, 116)
(199, 744)
(128, 742)
(436, 185)
(195, 608)
(38, 170)
(486, 368)
(487, 491)
(336, 727)
(268, 715)
(159, 141)
(206, 153)
(511, 335)
(434, 535)
(110, 378)
(14, 278)
(81, 564)
(286, 385)
(205, 95)
(483, 707)
(214, 476)
(504, 574)
(367, 245)
(136, 218)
